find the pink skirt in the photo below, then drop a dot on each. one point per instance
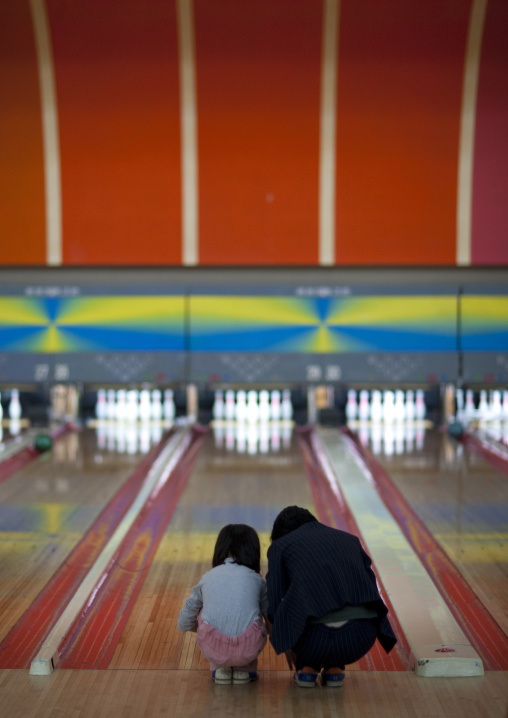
(222, 650)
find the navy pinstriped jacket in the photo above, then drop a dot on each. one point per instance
(316, 569)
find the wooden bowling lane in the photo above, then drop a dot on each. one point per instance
(44, 511)
(225, 487)
(463, 501)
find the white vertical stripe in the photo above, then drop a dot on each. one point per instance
(467, 131)
(51, 143)
(189, 140)
(327, 132)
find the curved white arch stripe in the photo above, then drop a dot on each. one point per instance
(51, 143)
(188, 128)
(467, 131)
(327, 132)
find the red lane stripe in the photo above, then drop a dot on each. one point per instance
(22, 458)
(334, 511)
(482, 631)
(92, 640)
(487, 449)
(24, 640)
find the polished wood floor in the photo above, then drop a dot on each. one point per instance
(156, 671)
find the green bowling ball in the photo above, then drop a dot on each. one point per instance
(43, 442)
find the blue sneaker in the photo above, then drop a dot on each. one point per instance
(241, 678)
(332, 680)
(305, 679)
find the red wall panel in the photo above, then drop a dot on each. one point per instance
(490, 181)
(258, 84)
(22, 208)
(116, 68)
(399, 100)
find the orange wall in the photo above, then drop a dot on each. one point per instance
(258, 95)
(399, 90)
(399, 101)
(22, 222)
(116, 68)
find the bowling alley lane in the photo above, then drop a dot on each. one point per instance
(463, 501)
(46, 508)
(226, 486)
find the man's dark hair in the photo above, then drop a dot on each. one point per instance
(239, 542)
(289, 519)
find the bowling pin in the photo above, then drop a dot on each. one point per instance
(400, 407)
(376, 407)
(252, 406)
(363, 406)
(469, 409)
(218, 405)
(132, 406)
(388, 406)
(145, 409)
(241, 406)
(505, 404)
(169, 405)
(111, 405)
(14, 406)
(483, 407)
(1, 410)
(420, 409)
(156, 405)
(496, 408)
(229, 410)
(410, 405)
(252, 438)
(287, 406)
(275, 408)
(264, 406)
(351, 406)
(121, 404)
(101, 410)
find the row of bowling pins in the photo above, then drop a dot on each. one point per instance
(14, 409)
(387, 406)
(492, 405)
(128, 438)
(251, 437)
(135, 405)
(389, 438)
(252, 406)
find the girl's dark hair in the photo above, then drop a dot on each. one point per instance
(289, 519)
(241, 543)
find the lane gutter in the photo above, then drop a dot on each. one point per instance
(26, 636)
(481, 629)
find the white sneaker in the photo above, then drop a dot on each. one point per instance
(222, 676)
(240, 678)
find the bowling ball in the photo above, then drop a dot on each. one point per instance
(43, 442)
(456, 430)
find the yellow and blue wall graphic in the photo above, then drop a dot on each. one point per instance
(91, 324)
(484, 323)
(323, 325)
(254, 323)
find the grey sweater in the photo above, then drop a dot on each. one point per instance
(230, 598)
